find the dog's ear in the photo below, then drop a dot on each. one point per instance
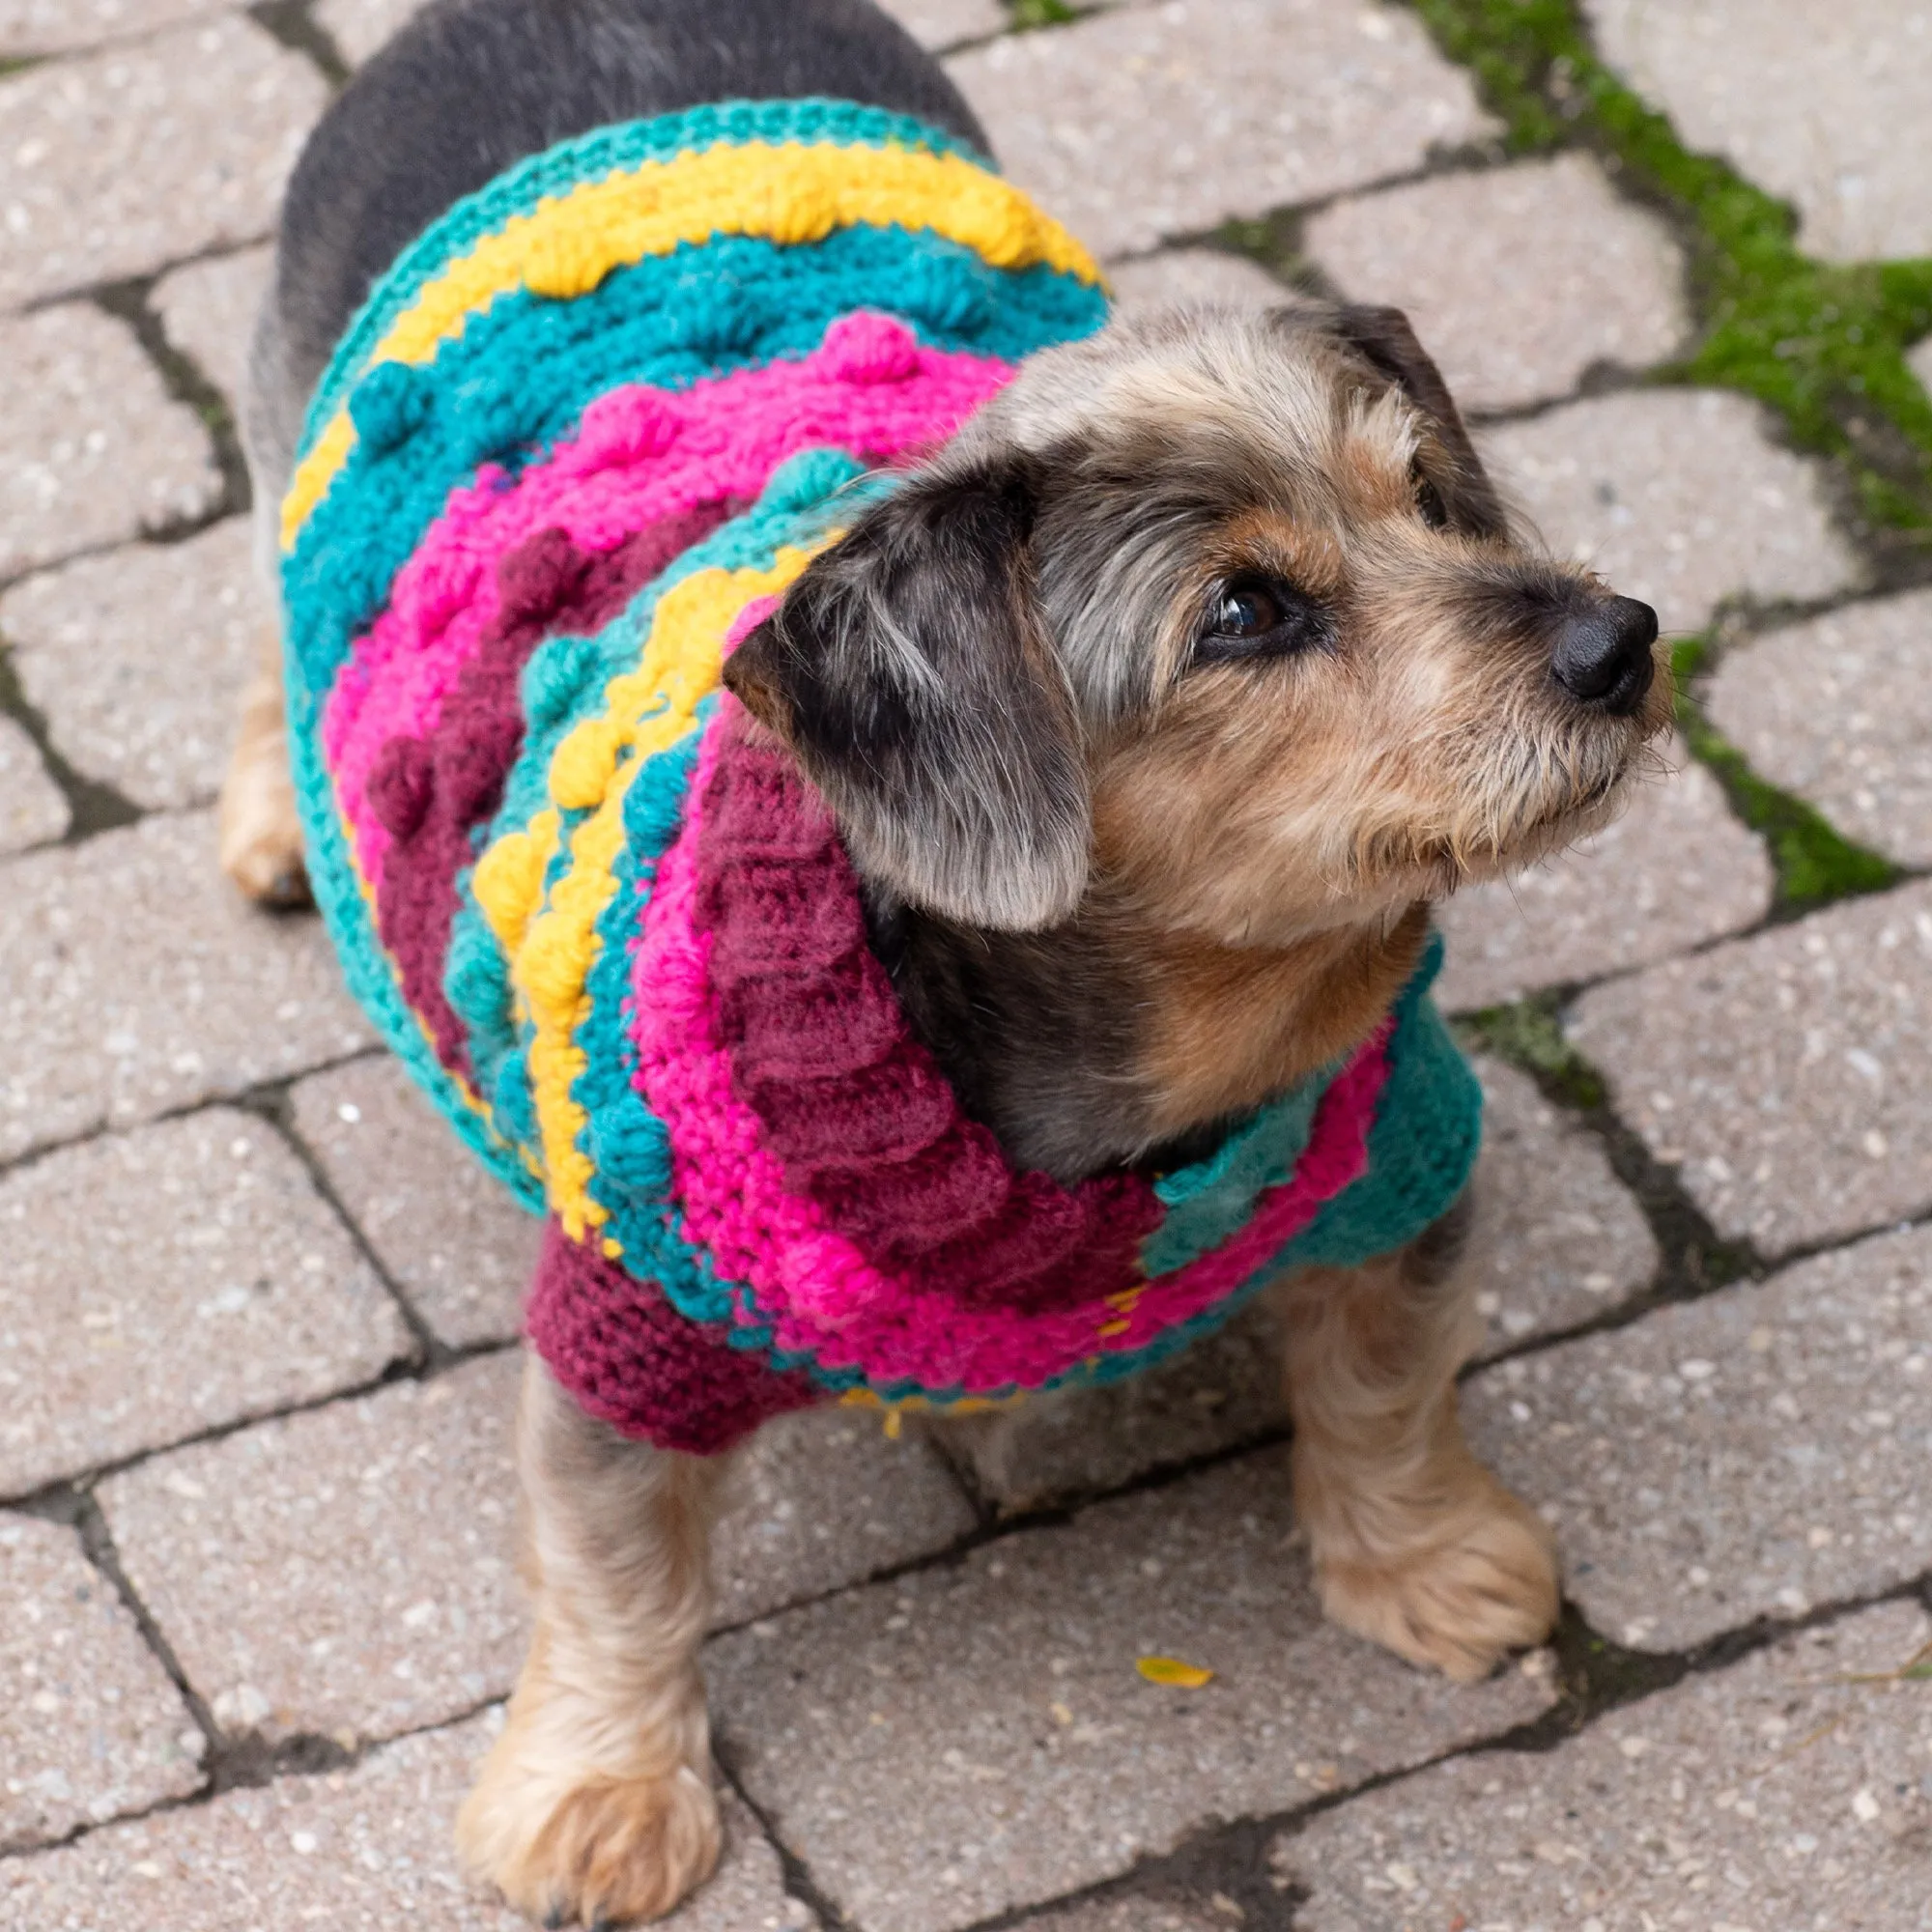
(909, 671)
(1383, 338)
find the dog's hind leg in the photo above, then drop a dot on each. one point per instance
(596, 1803)
(260, 830)
(1415, 1545)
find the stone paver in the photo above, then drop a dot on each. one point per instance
(92, 449)
(32, 808)
(1559, 1239)
(134, 156)
(1138, 1914)
(1784, 1073)
(1675, 871)
(90, 1725)
(48, 27)
(368, 1847)
(1750, 1453)
(1822, 105)
(1121, 123)
(825, 1499)
(1677, 496)
(1920, 359)
(1839, 710)
(347, 1571)
(943, 23)
(971, 1738)
(207, 312)
(1777, 1793)
(134, 979)
(1516, 279)
(167, 1281)
(136, 658)
(359, 28)
(1194, 276)
(448, 1234)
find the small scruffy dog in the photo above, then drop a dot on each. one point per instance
(1021, 960)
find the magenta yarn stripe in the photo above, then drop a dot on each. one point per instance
(641, 454)
(813, 1289)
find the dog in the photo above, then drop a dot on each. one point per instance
(1023, 959)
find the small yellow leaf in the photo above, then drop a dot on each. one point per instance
(1170, 1671)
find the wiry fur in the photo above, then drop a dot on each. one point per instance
(1125, 893)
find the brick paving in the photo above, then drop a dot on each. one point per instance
(257, 1316)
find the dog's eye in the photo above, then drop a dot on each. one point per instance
(1429, 503)
(1258, 616)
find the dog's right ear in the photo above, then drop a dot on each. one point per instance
(909, 671)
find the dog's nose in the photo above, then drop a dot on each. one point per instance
(1602, 655)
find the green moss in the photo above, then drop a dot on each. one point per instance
(1822, 343)
(1527, 1035)
(1814, 864)
(1028, 13)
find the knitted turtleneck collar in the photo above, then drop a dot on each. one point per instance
(584, 433)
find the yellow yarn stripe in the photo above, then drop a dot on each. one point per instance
(553, 948)
(789, 193)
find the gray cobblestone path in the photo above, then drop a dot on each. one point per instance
(258, 1317)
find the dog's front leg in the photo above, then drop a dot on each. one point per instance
(596, 1804)
(1415, 1545)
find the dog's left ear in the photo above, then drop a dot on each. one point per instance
(909, 671)
(1383, 338)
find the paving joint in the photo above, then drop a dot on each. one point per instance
(794, 1875)
(93, 806)
(292, 24)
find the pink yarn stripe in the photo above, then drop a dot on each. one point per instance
(814, 1289)
(639, 454)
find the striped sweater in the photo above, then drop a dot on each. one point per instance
(582, 436)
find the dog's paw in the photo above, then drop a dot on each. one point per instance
(1487, 1586)
(586, 1847)
(261, 826)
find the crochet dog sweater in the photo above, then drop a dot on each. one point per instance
(582, 435)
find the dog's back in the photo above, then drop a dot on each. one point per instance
(470, 88)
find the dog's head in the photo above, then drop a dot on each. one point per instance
(1216, 612)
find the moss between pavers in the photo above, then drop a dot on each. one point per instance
(1528, 1035)
(1813, 864)
(1030, 13)
(1823, 343)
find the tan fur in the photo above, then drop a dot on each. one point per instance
(261, 831)
(596, 1802)
(1415, 1545)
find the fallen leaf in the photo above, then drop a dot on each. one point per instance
(1170, 1671)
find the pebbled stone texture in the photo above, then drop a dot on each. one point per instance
(1141, 1913)
(136, 659)
(1780, 1792)
(969, 1739)
(1677, 496)
(364, 1847)
(32, 807)
(359, 28)
(136, 981)
(1821, 106)
(51, 26)
(1194, 276)
(448, 1235)
(1121, 122)
(943, 23)
(168, 1281)
(1839, 710)
(1781, 1074)
(92, 449)
(207, 312)
(1752, 1454)
(1559, 1240)
(824, 1500)
(1676, 871)
(130, 158)
(90, 1725)
(1518, 279)
(345, 1572)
